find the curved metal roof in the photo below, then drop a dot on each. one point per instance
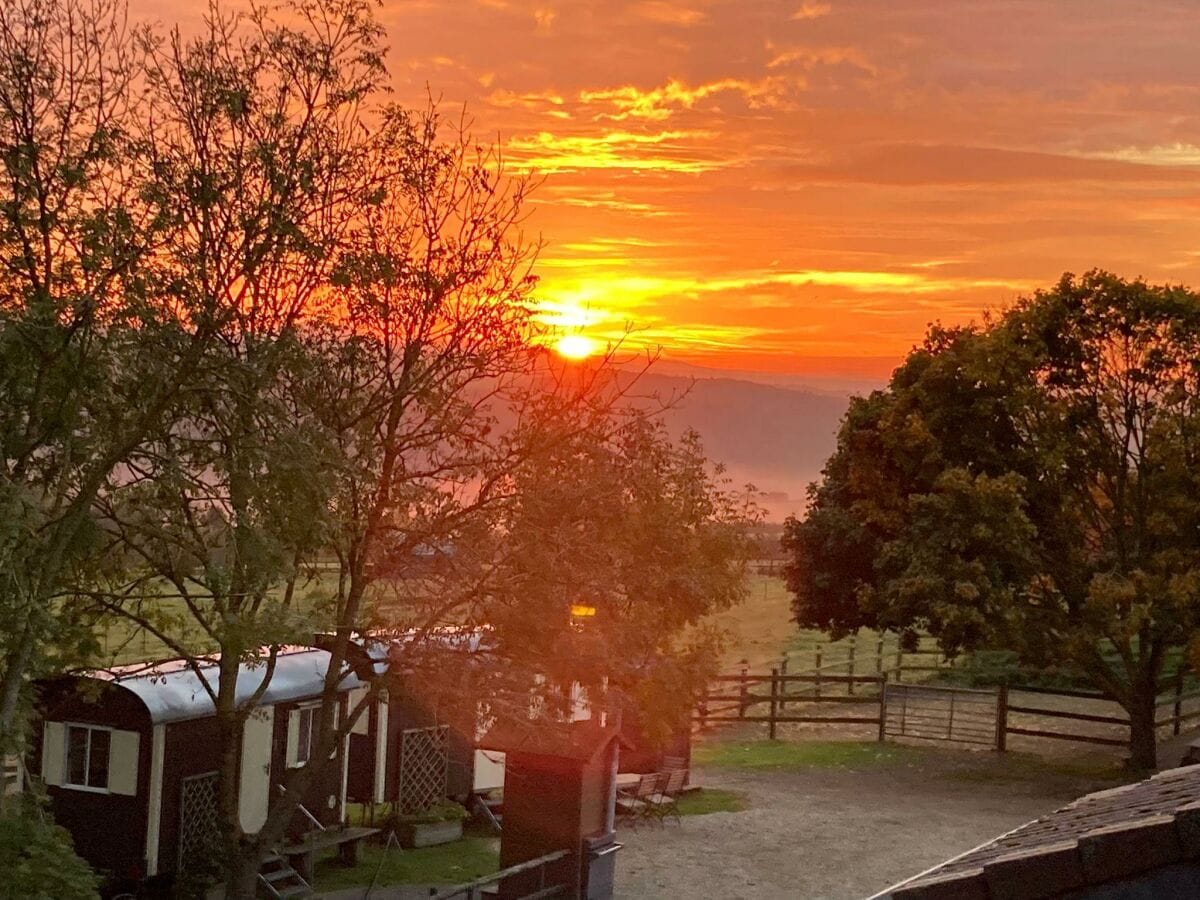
(173, 691)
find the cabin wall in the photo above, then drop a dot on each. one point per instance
(360, 782)
(191, 748)
(109, 830)
(324, 796)
(407, 710)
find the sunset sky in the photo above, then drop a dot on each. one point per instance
(802, 185)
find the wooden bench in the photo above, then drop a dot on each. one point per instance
(302, 856)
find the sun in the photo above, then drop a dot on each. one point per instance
(575, 346)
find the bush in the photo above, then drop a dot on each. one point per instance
(37, 857)
(444, 811)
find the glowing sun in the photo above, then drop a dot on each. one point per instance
(575, 346)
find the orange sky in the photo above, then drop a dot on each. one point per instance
(801, 185)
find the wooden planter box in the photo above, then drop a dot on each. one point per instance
(429, 834)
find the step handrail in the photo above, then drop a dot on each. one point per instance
(304, 809)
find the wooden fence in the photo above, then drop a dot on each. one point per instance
(731, 698)
(985, 717)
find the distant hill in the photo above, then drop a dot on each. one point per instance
(777, 438)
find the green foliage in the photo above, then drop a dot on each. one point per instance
(38, 860)
(445, 811)
(1031, 484)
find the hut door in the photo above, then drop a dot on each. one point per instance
(254, 793)
(198, 832)
(423, 766)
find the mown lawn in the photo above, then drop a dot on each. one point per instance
(797, 756)
(461, 861)
(711, 800)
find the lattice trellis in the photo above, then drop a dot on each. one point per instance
(423, 758)
(198, 831)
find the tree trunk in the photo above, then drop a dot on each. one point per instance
(241, 877)
(1143, 741)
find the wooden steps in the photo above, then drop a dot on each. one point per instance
(278, 879)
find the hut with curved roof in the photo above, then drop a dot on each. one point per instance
(129, 756)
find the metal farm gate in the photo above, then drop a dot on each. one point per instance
(423, 765)
(962, 715)
(199, 836)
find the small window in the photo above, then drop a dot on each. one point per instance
(87, 757)
(306, 735)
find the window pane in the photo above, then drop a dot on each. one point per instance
(77, 751)
(305, 736)
(98, 759)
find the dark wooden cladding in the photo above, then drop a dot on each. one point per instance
(109, 830)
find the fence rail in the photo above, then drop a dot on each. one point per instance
(980, 716)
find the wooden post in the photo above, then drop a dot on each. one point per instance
(879, 657)
(817, 672)
(882, 706)
(1002, 718)
(744, 691)
(850, 666)
(1178, 698)
(783, 666)
(774, 703)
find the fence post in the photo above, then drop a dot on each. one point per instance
(1178, 698)
(783, 666)
(1002, 718)
(882, 706)
(744, 690)
(817, 673)
(879, 657)
(850, 666)
(774, 703)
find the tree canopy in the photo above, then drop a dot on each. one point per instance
(1030, 483)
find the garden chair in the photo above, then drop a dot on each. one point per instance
(636, 804)
(665, 803)
(673, 763)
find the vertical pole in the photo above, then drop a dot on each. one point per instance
(882, 707)
(850, 666)
(1002, 718)
(744, 691)
(1178, 698)
(950, 719)
(879, 657)
(817, 672)
(783, 667)
(774, 703)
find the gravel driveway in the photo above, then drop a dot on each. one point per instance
(835, 834)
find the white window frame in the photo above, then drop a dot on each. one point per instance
(66, 775)
(302, 744)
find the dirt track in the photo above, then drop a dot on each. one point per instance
(833, 834)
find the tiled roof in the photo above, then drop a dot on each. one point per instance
(1099, 838)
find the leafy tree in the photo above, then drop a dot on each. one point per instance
(37, 858)
(85, 375)
(1029, 484)
(646, 540)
